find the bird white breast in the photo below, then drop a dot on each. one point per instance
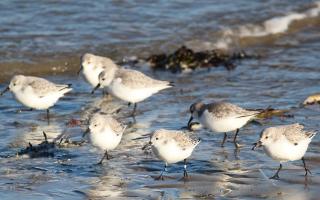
(28, 98)
(282, 150)
(171, 153)
(128, 94)
(92, 75)
(106, 140)
(221, 125)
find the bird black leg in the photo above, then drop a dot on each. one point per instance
(305, 167)
(224, 139)
(106, 155)
(134, 109)
(185, 173)
(276, 176)
(129, 104)
(161, 175)
(235, 139)
(48, 116)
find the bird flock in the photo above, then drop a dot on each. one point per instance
(282, 143)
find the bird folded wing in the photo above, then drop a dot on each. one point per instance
(183, 140)
(295, 133)
(116, 126)
(42, 87)
(135, 79)
(224, 109)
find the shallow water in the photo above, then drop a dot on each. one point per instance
(286, 74)
(215, 172)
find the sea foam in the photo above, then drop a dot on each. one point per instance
(275, 25)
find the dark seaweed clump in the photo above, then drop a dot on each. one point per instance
(44, 149)
(185, 58)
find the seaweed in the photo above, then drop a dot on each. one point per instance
(271, 112)
(44, 149)
(185, 58)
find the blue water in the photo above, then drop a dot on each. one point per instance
(122, 28)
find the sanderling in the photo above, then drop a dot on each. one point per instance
(36, 93)
(105, 133)
(172, 146)
(285, 143)
(130, 85)
(222, 117)
(92, 66)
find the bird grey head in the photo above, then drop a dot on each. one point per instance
(87, 60)
(159, 138)
(196, 107)
(195, 110)
(98, 123)
(16, 82)
(267, 137)
(106, 76)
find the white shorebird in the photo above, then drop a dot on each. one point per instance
(172, 146)
(222, 117)
(130, 85)
(36, 93)
(286, 143)
(105, 133)
(92, 66)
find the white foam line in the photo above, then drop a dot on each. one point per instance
(275, 25)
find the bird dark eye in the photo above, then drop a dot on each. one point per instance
(267, 137)
(95, 125)
(14, 84)
(157, 138)
(103, 79)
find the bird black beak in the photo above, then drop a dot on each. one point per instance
(147, 145)
(4, 91)
(81, 68)
(189, 122)
(95, 88)
(86, 132)
(256, 145)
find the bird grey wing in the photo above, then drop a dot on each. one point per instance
(42, 87)
(223, 109)
(116, 126)
(61, 87)
(295, 133)
(136, 79)
(184, 140)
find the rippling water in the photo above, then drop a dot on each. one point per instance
(47, 32)
(287, 73)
